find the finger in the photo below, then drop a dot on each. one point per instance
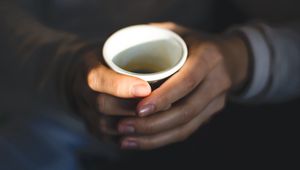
(107, 126)
(107, 129)
(114, 106)
(180, 114)
(192, 73)
(174, 135)
(183, 111)
(170, 26)
(104, 80)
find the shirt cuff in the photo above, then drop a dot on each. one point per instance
(260, 57)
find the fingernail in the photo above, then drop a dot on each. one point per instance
(126, 129)
(146, 109)
(129, 144)
(141, 90)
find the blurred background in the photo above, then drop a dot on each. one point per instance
(239, 137)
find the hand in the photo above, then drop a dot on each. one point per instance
(172, 112)
(92, 81)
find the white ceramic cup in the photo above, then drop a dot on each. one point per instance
(152, 46)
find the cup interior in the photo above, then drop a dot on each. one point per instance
(146, 52)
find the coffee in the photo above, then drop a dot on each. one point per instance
(142, 59)
(138, 65)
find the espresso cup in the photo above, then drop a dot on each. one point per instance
(147, 52)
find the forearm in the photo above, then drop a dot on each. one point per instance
(44, 55)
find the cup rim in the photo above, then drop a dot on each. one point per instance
(149, 77)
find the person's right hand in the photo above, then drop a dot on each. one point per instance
(93, 82)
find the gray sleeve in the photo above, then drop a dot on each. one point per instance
(275, 63)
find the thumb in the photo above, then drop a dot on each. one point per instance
(104, 80)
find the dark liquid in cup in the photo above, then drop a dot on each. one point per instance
(142, 65)
(149, 57)
(143, 71)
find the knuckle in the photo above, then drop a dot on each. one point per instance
(95, 80)
(117, 88)
(170, 24)
(148, 127)
(101, 103)
(186, 114)
(146, 143)
(92, 80)
(167, 107)
(144, 126)
(182, 136)
(212, 55)
(119, 85)
(191, 82)
(163, 103)
(227, 83)
(220, 104)
(218, 57)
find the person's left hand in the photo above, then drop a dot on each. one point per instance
(176, 109)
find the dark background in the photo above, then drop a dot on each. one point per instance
(240, 137)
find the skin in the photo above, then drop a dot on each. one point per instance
(216, 65)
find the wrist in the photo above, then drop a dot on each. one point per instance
(236, 57)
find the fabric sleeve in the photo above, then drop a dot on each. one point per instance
(275, 63)
(42, 58)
